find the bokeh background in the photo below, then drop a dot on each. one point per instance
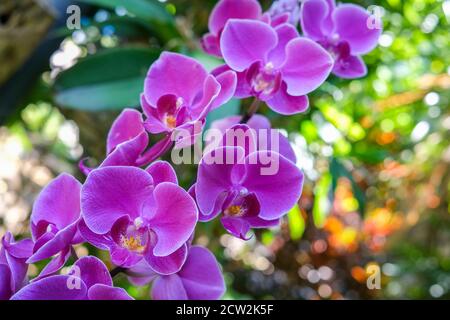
(375, 151)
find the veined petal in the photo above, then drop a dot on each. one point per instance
(232, 9)
(245, 42)
(314, 19)
(168, 288)
(176, 74)
(215, 176)
(162, 171)
(113, 192)
(104, 292)
(351, 26)
(307, 66)
(174, 218)
(52, 288)
(5, 282)
(285, 32)
(350, 68)
(283, 103)
(169, 264)
(277, 190)
(62, 240)
(127, 126)
(201, 275)
(58, 203)
(228, 82)
(93, 271)
(238, 227)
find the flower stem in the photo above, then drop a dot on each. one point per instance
(251, 110)
(73, 253)
(114, 272)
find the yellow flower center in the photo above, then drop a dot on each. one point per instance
(132, 243)
(234, 211)
(171, 121)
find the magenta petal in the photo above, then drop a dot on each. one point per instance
(92, 271)
(162, 171)
(351, 26)
(168, 288)
(278, 192)
(242, 89)
(141, 273)
(211, 44)
(155, 151)
(245, 42)
(101, 241)
(174, 219)
(5, 282)
(127, 153)
(241, 135)
(216, 211)
(127, 125)
(350, 68)
(285, 33)
(169, 264)
(58, 203)
(170, 75)
(22, 249)
(124, 258)
(51, 288)
(238, 227)
(105, 292)
(313, 16)
(283, 103)
(62, 240)
(232, 9)
(201, 275)
(55, 264)
(228, 82)
(307, 66)
(211, 90)
(214, 179)
(113, 192)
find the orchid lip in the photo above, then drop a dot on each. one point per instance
(235, 211)
(264, 79)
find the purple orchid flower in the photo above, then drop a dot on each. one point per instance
(285, 11)
(245, 196)
(263, 134)
(343, 31)
(138, 214)
(54, 220)
(89, 280)
(178, 94)
(200, 278)
(13, 266)
(126, 142)
(274, 65)
(222, 12)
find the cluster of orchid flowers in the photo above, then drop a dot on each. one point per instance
(131, 204)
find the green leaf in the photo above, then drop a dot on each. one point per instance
(296, 223)
(149, 10)
(109, 80)
(322, 203)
